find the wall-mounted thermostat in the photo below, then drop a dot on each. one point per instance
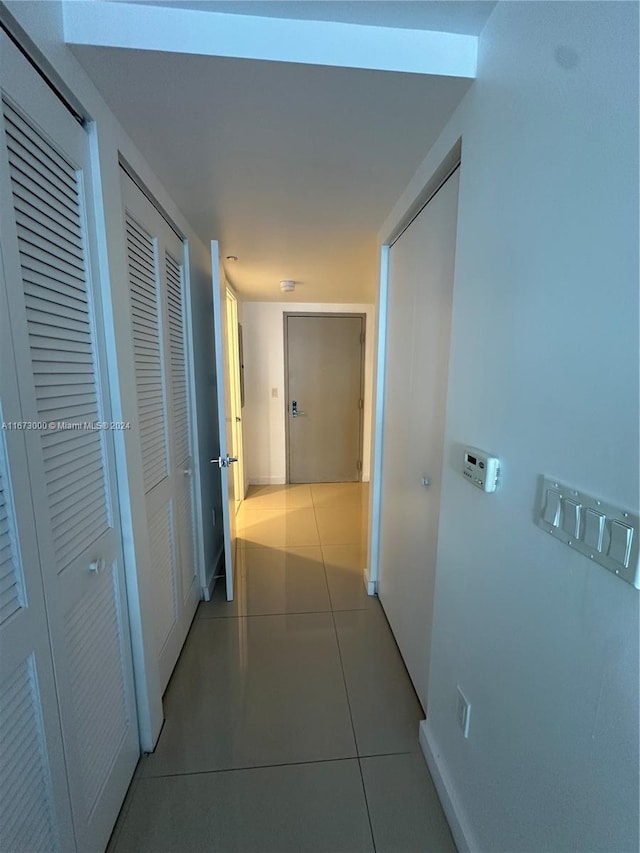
(480, 469)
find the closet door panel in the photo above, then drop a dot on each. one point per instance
(180, 419)
(56, 331)
(159, 327)
(144, 286)
(145, 258)
(35, 808)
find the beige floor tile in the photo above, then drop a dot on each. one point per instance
(342, 525)
(406, 815)
(274, 528)
(384, 707)
(273, 580)
(257, 752)
(339, 494)
(279, 497)
(344, 566)
(309, 808)
(254, 691)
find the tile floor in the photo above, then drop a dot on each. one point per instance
(291, 724)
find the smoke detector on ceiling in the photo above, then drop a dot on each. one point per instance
(287, 286)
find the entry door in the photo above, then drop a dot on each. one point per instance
(421, 266)
(225, 425)
(54, 314)
(324, 355)
(159, 331)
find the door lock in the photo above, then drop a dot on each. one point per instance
(224, 461)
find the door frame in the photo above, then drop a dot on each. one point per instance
(331, 314)
(233, 345)
(426, 183)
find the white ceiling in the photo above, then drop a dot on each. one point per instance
(452, 16)
(293, 168)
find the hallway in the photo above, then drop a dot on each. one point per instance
(291, 724)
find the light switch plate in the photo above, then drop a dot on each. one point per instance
(583, 522)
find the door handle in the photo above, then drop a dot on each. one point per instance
(294, 410)
(224, 461)
(96, 566)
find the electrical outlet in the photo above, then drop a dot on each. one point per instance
(463, 713)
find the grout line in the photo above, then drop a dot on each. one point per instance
(285, 613)
(324, 568)
(326, 577)
(268, 766)
(353, 728)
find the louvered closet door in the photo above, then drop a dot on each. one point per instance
(180, 419)
(35, 809)
(158, 325)
(54, 313)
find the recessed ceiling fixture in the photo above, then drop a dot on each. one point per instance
(232, 257)
(287, 286)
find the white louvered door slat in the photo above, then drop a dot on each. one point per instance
(27, 821)
(180, 419)
(158, 317)
(35, 809)
(163, 560)
(143, 286)
(54, 314)
(11, 596)
(58, 395)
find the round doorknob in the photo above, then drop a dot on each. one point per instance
(426, 482)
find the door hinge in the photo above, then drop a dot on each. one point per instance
(361, 403)
(362, 337)
(359, 465)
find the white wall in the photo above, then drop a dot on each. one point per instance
(544, 373)
(43, 24)
(264, 415)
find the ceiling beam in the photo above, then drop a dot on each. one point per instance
(179, 30)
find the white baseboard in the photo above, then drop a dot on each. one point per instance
(370, 586)
(458, 823)
(216, 569)
(281, 481)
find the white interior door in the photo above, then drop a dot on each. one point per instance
(225, 425)
(155, 258)
(421, 266)
(55, 318)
